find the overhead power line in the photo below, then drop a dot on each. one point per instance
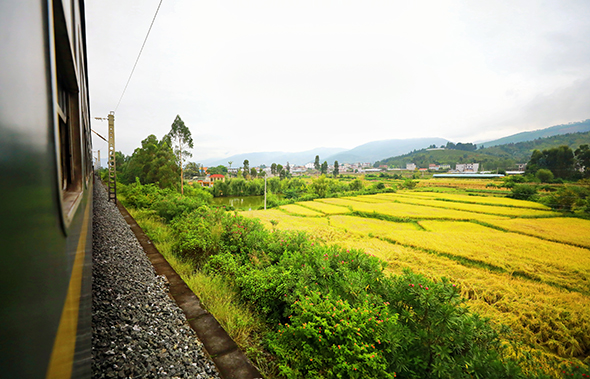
(139, 55)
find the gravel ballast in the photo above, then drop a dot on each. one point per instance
(137, 329)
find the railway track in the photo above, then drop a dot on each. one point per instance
(146, 322)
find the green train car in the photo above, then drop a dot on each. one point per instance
(46, 181)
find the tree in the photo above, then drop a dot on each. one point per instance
(246, 168)
(273, 169)
(288, 170)
(559, 160)
(324, 168)
(153, 162)
(229, 163)
(319, 186)
(220, 170)
(356, 185)
(191, 169)
(316, 164)
(336, 169)
(583, 159)
(181, 140)
(281, 171)
(253, 172)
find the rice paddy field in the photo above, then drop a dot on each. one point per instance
(518, 263)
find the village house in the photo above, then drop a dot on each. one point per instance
(410, 166)
(210, 180)
(467, 167)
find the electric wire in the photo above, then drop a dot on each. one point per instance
(139, 55)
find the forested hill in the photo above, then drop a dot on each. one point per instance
(501, 157)
(572, 127)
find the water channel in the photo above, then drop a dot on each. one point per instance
(240, 202)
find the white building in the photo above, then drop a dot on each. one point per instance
(467, 167)
(410, 166)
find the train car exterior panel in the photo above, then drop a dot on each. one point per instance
(45, 191)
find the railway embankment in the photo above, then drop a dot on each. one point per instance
(137, 328)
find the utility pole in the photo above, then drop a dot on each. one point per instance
(112, 184)
(265, 191)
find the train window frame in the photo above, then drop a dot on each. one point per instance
(68, 126)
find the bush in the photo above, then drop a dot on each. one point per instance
(544, 175)
(409, 184)
(327, 337)
(568, 199)
(523, 192)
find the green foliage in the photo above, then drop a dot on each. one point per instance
(220, 170)
(461, 146)
(167, 203)
(153, 162)
(192, 169)
(439, 337)
(181, 140)
(327, 337)
(324, 168)
(559, 160)
(409, 184)
(319, 186)
(583, 159)
(356, 185)
(569, 199)
(544, 175)
(523, 191)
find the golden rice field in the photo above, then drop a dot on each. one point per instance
(473, 199)
(517, 262)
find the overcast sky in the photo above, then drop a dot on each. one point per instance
(278, 75)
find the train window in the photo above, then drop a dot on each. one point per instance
(68, 126)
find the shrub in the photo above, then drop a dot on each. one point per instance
(327, 337)
(523, 192)
(409, 184)
(544, 175)
(440, 338)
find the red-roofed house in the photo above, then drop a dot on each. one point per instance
(211, 179)
(216, 177)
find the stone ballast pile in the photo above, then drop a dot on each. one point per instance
(137, 329)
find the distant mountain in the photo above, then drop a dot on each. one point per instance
(522, 151)
(572, 127)
(490, 158)
(268, 158)
(374, 151)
